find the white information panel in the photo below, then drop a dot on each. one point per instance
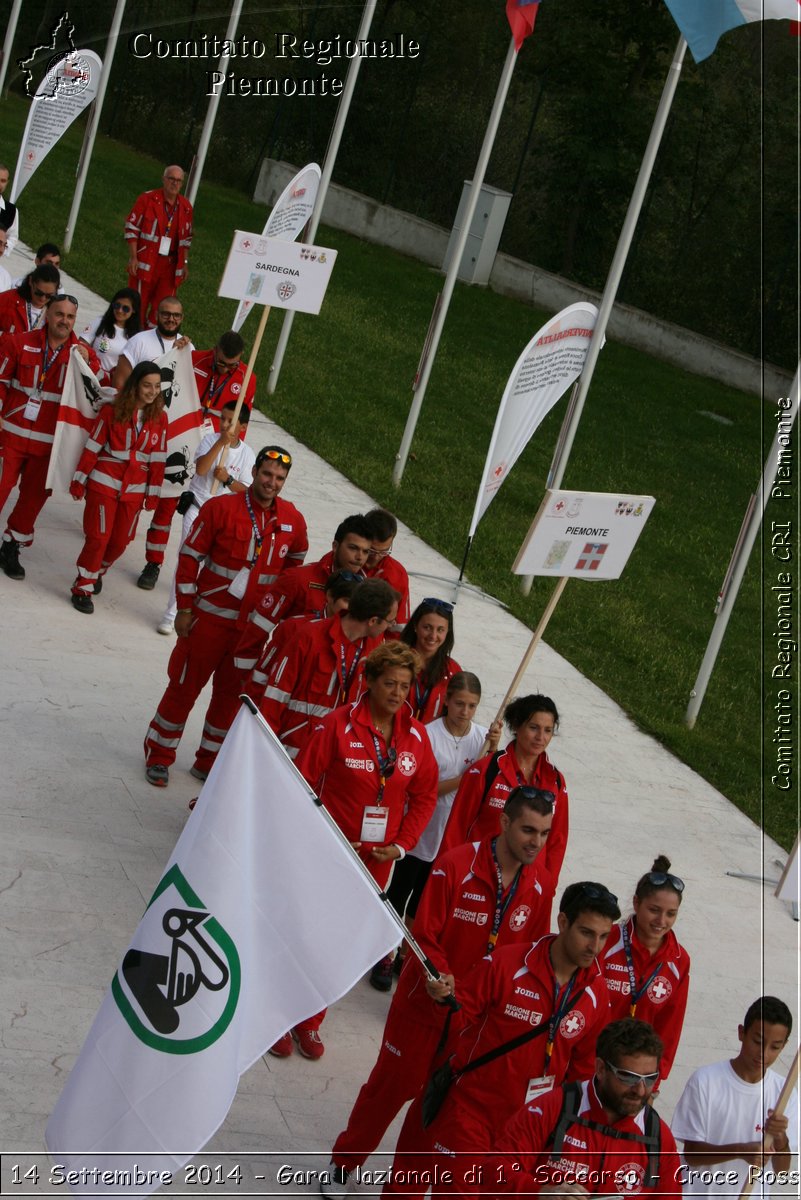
(584, 535)
(282, 274)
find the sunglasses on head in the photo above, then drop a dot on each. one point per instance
(277, 456)
(632, 1078)
(533, 793)
(440, 606)
(660, 878)
(597, 891)
(62, 296)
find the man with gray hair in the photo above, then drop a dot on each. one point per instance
(159, 233)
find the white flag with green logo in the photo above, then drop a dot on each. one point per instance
(249, 932)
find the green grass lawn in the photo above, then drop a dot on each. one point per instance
(345, 391)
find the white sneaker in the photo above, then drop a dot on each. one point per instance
(334, 1183)
(166, 627)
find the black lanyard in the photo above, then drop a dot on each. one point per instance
(634, 991)
(501, 904)
(345, 675)
(257, 536)
(386, 765)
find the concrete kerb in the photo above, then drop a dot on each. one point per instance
(85, 837)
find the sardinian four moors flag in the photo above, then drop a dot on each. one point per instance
(81, 401)
(249, 932)
(702, 22)
(550, 363)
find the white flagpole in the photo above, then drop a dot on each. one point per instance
(456, 261)
(325, 179)
(742, 553)
(573, 415)
(92, 125)
(211, 111)
(8, 43)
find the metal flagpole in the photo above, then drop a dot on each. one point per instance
(211, 112)
(93, 123)
(8, 42)
(431, 971)
(325, 179)
(742, 553)
(573, 415)
(456, 261)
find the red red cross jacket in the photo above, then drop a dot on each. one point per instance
(339, 762)
(299, 592)
(504, 995)
(601, 1163)
(472, 818)
(121, 460)
(22, 379)
(427, 704)
(455, 918)
(305, 680)
(15, 313)
(146, 225)
(222, 542)
(394, 573)
(216, 392)
(664, 1001)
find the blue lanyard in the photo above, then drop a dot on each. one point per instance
(561, 1008)
(634, 991)
(386, 765)
(346, 675)
(501, 904)
(257, 537)
(420, 698)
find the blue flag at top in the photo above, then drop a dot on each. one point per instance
(703, 21)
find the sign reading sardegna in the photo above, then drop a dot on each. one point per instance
(282, 274)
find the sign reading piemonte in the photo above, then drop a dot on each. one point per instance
(282, 274)
(585, 535)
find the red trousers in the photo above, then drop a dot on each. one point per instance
(403, 1065)
(109, 526)
(454, 1144)
(152, 288)
(31, 470)
(209, 650)
(159, 532)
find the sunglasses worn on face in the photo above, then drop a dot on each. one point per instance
(440, 606)
(660, 878)
(631, 1078)
(118, 307)
(42, 295)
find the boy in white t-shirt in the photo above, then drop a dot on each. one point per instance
(234, 476)
(726, 1110)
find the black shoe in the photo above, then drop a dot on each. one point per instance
(82, 603)
(98, 588)
(397, 966)
(9, 560)
(334, 1184)
(149, 576)
(381, 974)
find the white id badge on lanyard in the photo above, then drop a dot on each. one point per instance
(32, 408)
(536, 1087)
(238, 585)
(374, 823)
(165, 245)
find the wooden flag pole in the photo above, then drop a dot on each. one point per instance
(767, 1142)
(536, 637)
(244, 390)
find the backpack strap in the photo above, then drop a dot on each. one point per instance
(492, 773)
(651, 1138)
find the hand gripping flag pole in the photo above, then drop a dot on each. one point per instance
(430, 970)
(767, 1142)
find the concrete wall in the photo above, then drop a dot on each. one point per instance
(366, 218)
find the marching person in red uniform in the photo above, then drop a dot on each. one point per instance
(237, 541)
(373, 768)
(554, 991)
(609, 1141)
(484, 787)
(159, 233)
(322, 666)
(647, 972)
(430, 632)
(382, 565)
(219, 375)
(33, 367)
(119, 472)
(25, 307)
(301, 592)
(479, 896)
